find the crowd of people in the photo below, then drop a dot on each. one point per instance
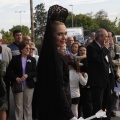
(66, 80)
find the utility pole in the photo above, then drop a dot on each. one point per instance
(32, 21)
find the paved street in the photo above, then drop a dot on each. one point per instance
(12, 110)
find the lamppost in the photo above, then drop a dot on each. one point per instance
(20, 17)
(72, 14)
(32, 20)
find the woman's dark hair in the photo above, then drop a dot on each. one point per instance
(75, 64)
(22, 45)
(74, 44)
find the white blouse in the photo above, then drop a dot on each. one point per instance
(75, 78)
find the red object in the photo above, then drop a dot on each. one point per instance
(3, 41)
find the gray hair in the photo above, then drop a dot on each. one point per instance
(31, 43)
(99, 32)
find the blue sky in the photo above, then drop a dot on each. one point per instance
(10, 18)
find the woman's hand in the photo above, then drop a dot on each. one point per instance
(74, 118)
(83, 74)
(24, 77)
(18, 80)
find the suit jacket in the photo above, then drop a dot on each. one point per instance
(6, 54)
(14, 70)
(115, 55)
(98, 66)
(113, 50)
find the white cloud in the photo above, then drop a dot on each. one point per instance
(10, 18)
(11, 2)
(113, 15)
(67, 2)
(84, 1)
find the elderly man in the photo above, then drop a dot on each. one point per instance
(69, 42)
(100, 72)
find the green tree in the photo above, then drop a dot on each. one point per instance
(92, 22)
(40, 18)
(25, 29)
(101, 18)
(6, 36)
(101, 14)
(81, 20)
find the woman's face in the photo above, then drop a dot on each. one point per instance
(82, 51)
(60, 35)
(32, 48)
(26, 50)
(74, 48)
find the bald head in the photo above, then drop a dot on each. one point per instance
(70, 41)
(27, 38)
(101, 36)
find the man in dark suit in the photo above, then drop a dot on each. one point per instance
(100, 72)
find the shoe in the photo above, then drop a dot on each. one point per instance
(113, 114)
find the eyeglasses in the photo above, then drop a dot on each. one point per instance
(32, 48)
(27, 48)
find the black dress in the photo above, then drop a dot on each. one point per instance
(54, 94)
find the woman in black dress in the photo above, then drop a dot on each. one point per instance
(53, 100)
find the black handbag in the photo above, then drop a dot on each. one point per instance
(17, 88)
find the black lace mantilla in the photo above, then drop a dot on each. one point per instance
(57, 13)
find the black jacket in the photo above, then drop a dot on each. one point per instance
(14, 70)
(98, 66)
(54, 100)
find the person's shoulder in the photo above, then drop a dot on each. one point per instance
(116, 45)
(16, 56)
(11, 44)
(36, 56)
(90, 45)
(31, 58)
(7, 48)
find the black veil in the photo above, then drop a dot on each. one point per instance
(49, 73)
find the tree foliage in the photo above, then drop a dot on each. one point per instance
(89, 22)
(25, 30)
(92, 22)
(8, 35)
(40, 17)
